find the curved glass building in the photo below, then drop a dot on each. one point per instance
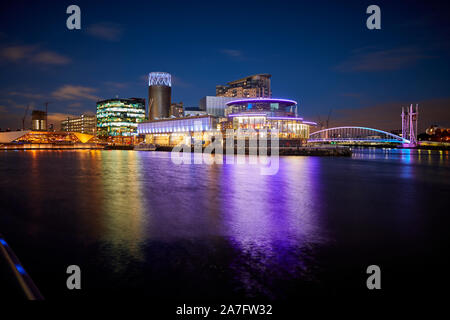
(266, 114)
(281, 107)
(119, 117)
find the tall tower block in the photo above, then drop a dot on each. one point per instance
(159, 95)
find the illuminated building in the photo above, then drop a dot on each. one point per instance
(46, 140)
(177, 110)
(256, 86)
(214, 105)
(275, 107)
(190, 113)
(436, 133)
(38, 120)
(245, 115)
(83, 124)
(119, 117)
(159, 95)
(267, 114)
(170, 132)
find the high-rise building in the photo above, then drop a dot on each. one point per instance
(256, 86)
(119, 117)
(83, 124)
(159, 95)
(177, 110)
(39, 120)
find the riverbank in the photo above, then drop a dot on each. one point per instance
(328, 151)
(50, 146)
(323, 151)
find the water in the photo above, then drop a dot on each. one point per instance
(138, 225)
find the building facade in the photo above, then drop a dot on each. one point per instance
(119, 117)
(176, 110)
(247, 117)
(214, 105)
(38, 120)
(255, 86)
(191, 113)
(159, 95)
(170, 132)
(83, 124)
(266, 114)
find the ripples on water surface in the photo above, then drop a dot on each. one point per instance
(136, 223)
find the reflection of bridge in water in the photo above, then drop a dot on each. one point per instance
(355, 135)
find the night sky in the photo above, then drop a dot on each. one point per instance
(319, 53)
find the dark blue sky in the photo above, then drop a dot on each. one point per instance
(319, 53)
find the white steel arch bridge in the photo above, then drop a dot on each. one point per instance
(355, 135)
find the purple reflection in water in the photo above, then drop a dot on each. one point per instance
(272, 221)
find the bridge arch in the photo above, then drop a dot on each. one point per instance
(355, 134)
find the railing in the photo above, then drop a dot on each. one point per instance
(21, 276)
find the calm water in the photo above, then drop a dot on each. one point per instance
(137, 224)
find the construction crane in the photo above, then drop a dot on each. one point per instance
(24, 116)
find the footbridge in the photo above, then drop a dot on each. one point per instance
(355, 135)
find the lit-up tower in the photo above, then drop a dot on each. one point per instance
(409, 124)
(159, 95)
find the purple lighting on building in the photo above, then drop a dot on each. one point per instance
(285, 118)
(261, 100)
(310, 122)
(247, 115)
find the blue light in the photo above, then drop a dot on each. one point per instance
(3, 242)
(20, 269)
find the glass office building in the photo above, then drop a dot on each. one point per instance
(119, 117)
(83, 124)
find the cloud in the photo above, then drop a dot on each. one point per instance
(233, 53)
(74, 105)
(49, 57)
(363, 60)
(71, 92)
(28, 95)
(16, 53)
(32, 54)
(105, 31)
(10, 104)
